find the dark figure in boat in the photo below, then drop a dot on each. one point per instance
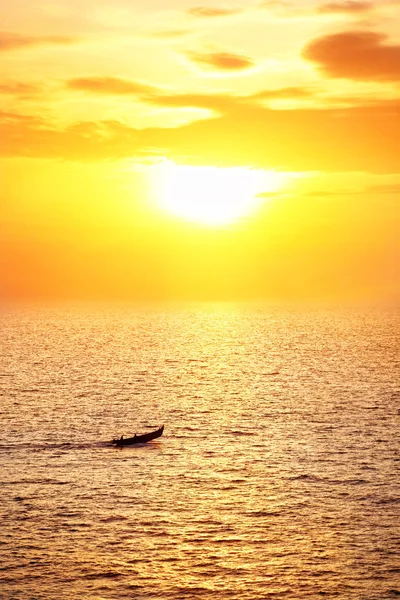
(139, 439)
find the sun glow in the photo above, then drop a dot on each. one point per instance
(213, 196)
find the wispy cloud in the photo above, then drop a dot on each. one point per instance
(17, 88)
(15, 41)
(212, 11)
(389, 188)
(222, 61)
(109, 85)
(225, 103)
(358, 55)
(349, 6)
(295, 140)
(283, 9)
(283, 93)
(217, 103)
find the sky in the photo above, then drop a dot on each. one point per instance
(183, 150)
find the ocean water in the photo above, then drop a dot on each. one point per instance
(278, 474)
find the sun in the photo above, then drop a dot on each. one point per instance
(212, 196)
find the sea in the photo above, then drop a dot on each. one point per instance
(277, 476)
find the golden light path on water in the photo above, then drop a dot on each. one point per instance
(276, 476)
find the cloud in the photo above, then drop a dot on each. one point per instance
(363, 138)
(109, 85)
(329, 193)
(222, 61)
(382, 188)
(17, 88)
(15, 41)
(26, 135)
(360, 100)
(349, 6)
(219, 104)
(321, 193)
(358, 55)
(224, 103)
(10, 118)
(389, 188)
(209, 11)
(283, 93)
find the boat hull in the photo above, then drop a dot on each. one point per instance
(140, 439)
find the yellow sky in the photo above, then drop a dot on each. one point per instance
(183, 150)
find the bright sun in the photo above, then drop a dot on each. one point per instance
(213, 196)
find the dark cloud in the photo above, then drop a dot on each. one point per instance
(109, 85)
(222, 61)
(359, 55)
(350, 6)
(15, 41)
(209, 11)
(363, 138)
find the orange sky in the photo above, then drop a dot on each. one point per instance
(170, 149)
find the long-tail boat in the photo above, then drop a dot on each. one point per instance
(139, 439)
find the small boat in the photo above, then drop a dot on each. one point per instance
(139, 439)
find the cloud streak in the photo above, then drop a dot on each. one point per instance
(16, 88)
(389, 188)
(222, 61)
(14, 41)
(211, 11)
(295, 140)
(109, 85)
(358, 55)
(283, 93)
(350, 6)
(217, 103)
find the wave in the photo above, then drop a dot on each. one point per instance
(316, 479)
(34, 482)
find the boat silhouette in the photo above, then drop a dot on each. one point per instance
(139, 439)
